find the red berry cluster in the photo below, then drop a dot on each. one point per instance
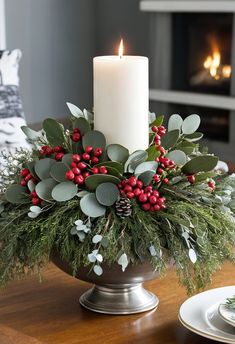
(26, 176)
(81, 165)
(159, 132)
(48, 151)
(191, 178)
(164, 166)
(76, 135)
(148, 197)
(211, 185)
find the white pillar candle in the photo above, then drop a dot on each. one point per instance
(121, 100)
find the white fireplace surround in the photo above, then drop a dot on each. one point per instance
(160, 12)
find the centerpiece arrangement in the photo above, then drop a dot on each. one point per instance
(116, 214)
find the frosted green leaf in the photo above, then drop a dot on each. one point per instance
(97, 238)
(64, 191)
(191, 124)
(17, 194)
(44, 188)
(146, 166)
(117, 153)
(43, 168)
(178, 156)
(123, 261)
(175, 122)
(107, 194)
(91, 207)
(58, 171)
(75, 111)
(98, 270)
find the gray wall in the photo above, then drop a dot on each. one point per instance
(59, 38)
(57, 41)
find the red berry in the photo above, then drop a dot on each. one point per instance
(44, 148)
(73, 164)
(86, 156)
(146, 206)
(28, 177)
(191, 179)
(23, 182)
(33, 194)
(163, 206)
(88, 149)
(155, 193)
(165, 180)
(160, 170)
(156, 178)
(76, 137)
(69, 175)
(103, 170)
(130, 195)
(76, 170)
(81, 165)
(154, 128)
(49, 151)
(139, 184)
(160, 201)
(156, 207)
(157, 137)
(143, 198)
(59, 156)
(153, 199)
(148, 189)
(211, 185)
(24, 172)
(127, 188)
(76, 158)
(162, 150)
(86, 174)
(95, 170)
(157, 142)
(76, 130)
(161, 130)
(137, 192)
(132, 181)
(36, 201)
(98, 152)
(94, 160)
(57, 149)
(79, 179)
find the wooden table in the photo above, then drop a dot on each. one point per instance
(49, 312)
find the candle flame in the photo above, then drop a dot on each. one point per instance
(120, 50)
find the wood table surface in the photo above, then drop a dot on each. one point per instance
(49, 312)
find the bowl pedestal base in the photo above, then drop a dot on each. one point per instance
(119, 299)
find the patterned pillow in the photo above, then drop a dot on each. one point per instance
(11, 111)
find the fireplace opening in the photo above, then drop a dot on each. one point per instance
(201, 52)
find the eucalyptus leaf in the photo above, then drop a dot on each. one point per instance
(82, 193)
(54, 131)
(191, 124)
(44, 188)
(97, 238)
(58, 171)
(203, 163)
(30, 133)
(117, 153)
(91, 207)
(146, 177)
(75, 111)
(35, 209)
(192, 255)
(178, 156)
(98, 270)
(95, 139)
(146, 166)
(194, 137)
(32, 215)
(31, 185)
(170, 139)
(123, 261)
(175, 122)
(30, 165)
(17, 194)
(82, 124)
(135, 159)
(113, 164)
(96, 179)
(107, 194)
(43, 168)
(67, 159)
(64, 191)
(88, 115)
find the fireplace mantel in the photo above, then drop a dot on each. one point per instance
(188, 6)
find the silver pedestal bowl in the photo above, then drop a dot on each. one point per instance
(115, 292)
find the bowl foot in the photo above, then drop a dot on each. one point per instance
(119, 299)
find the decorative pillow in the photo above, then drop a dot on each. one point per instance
(11, 111)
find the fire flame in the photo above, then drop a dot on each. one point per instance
(120, 50)
(213, 65)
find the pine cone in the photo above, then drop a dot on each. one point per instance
(123, 207)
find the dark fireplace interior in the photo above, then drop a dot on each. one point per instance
(205, 65)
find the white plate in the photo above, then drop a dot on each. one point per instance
(200, 314)
(227, 314)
